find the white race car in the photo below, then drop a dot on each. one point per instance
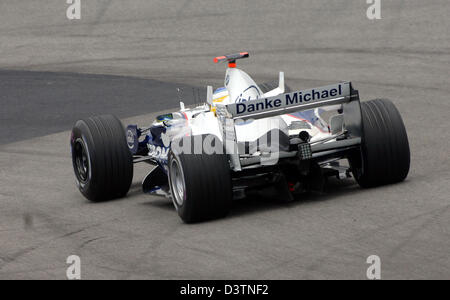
(243, 138)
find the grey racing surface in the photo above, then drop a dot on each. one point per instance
(128, 57)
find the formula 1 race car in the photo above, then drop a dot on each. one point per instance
(244, 137)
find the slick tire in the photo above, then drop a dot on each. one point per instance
(385, 154)
(102, 162)
(200, 184)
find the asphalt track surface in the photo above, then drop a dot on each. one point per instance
(141, 51)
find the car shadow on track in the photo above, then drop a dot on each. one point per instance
(256, 203)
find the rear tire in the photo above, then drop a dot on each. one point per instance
(102, 162)
(385, 154)
(200, 184)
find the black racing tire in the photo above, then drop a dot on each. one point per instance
(205, 180)
(268, 86)
(102, 162)
(385, 154)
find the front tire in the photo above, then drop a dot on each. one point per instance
(102, 162)
(385, 154)
(200, 184)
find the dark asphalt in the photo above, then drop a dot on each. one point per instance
(40, 103)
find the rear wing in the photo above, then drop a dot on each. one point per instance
(335, 94)
(288, 102)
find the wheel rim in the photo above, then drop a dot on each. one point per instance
(177, 182)
(81, 160)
